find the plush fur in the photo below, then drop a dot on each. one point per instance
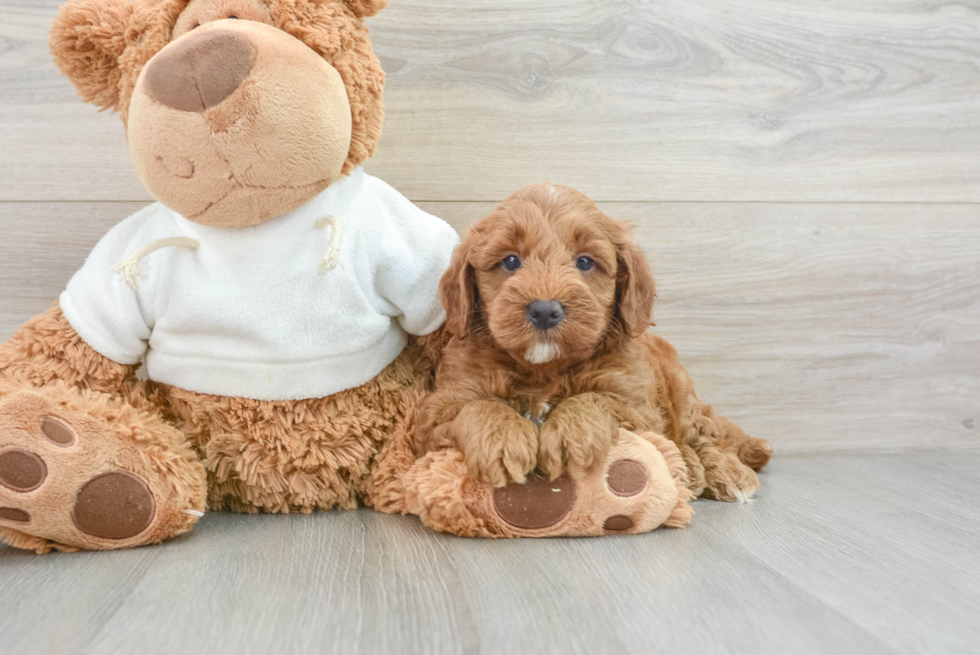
(603, 372)
(46, 370)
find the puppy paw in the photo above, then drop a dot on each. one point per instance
(728, 479)
(499, 445)
(577, 436)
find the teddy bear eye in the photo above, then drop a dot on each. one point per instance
(511, 263)
(584, 263)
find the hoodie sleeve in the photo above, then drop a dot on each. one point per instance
(413, 250)
(98, 303)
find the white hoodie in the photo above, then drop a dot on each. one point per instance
(270, 312)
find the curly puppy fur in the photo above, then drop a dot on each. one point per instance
(514, 397)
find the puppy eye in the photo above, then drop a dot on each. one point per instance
(233, 17)
(584, 264)
(511, 263)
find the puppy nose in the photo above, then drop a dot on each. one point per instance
(201, 71)
(545, 315)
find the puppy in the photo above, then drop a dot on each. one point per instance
(548, 306)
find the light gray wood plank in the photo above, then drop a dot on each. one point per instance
(57, 605)
(818, 327)
(829, 559)
(673, 100)
(889, 541)
(379, 584)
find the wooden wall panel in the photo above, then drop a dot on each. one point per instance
(627, 100)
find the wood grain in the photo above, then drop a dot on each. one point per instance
(838, 555)
(818, 327)
(624, 99)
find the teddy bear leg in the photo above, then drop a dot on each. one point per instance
(306, 455)
(384, 488)
(641, 485)
(81, 469)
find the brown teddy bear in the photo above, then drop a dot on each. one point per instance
(270, 292)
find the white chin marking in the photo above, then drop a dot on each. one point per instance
(542, 353)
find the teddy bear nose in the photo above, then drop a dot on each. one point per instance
(201, 71)
(545, 315)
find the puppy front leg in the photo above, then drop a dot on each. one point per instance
(579, 433)
(499, 444)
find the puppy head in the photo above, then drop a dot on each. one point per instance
(550, 277)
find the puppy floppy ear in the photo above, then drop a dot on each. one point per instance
(635, 288)
(87, 38)
(365, 8)
(458, 290)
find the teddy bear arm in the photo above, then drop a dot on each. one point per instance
(47, 349)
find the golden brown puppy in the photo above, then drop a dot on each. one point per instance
(549, 303)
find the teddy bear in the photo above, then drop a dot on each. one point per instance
(270, 292)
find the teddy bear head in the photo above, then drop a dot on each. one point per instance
(236, 111)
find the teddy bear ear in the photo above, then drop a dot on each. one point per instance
(86, 39)
(365, 8)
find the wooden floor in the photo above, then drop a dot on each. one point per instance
(804, 177)
(839, 554)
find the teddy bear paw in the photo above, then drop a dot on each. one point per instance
(632, 491)
(638, 487)
(67, 478)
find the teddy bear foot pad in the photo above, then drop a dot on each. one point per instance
(640, 486)
(67, 477)
(541, 503)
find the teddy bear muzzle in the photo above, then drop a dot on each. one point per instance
(201, 71)
(237, 122)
